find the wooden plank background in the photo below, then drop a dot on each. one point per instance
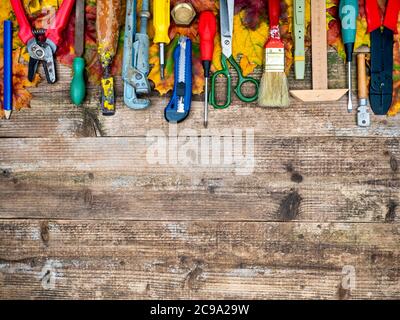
(83, 214)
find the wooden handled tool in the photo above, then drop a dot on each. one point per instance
(107, 30)
(362, 77)
(363, 117)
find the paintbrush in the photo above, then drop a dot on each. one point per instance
(274, 91)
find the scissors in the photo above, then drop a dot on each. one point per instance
(226, 21)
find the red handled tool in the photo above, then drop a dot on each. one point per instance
(42, 50)
(207, 31)
(382, 30)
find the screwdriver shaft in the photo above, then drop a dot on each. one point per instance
(162, 60)
(206, 103)
(350, 102)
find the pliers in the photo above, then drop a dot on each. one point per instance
(42, 51)
(382, 30)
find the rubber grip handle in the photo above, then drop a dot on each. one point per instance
(362, 77)
(161, 20)
(207, 31)
(274, 11)
(78, 85)
(62, 18)
(374, 19)
(25, 30)
(392, 14)
(7, 102)
(348, 13)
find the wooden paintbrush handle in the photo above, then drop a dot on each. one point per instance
(362, 77)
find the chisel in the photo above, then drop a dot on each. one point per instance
(78, 86)
(348, 13)
(207, 31)
(161, 21)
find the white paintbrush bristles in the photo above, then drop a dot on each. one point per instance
(274, 90)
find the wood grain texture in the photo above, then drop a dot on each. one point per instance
(152, 196)
(311, 179)
(196, 260)
(312, 156)
(86, 213)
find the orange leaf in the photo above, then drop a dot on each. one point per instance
(21, 96)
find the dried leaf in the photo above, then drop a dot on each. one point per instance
(21, 96)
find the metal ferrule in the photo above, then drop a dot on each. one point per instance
(363, 102)
(274, 60)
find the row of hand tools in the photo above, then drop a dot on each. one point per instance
(273, 89)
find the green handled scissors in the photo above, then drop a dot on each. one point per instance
(226, 20)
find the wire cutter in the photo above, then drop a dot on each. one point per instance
(226, 24)
(42, 51)
(382, 30)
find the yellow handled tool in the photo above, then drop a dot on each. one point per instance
(161, 21)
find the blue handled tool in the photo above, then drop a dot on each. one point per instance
(7, 101)
(135, 69)
(179, 107)
(348, 13)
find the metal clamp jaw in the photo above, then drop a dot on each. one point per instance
(136, 67)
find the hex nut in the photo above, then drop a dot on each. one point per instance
(183, 14)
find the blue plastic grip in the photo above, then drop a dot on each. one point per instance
(171, 111)
(348, 13)
(7, 102)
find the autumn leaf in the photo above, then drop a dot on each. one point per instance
(166, 85)
(21, 96)
(162, 86)
(395, 108)
(250, 43)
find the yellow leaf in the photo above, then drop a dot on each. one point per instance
(247, 66)
(249, 42)
(34, 7)
(362, 37)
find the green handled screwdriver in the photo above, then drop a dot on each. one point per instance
(78, 85)
(348, 13)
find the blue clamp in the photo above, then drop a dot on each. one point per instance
(178, 108)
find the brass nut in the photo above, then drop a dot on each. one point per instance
(183, 14)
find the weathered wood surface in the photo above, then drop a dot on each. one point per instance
(87, 259)
(88, 215)
(307, 178)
